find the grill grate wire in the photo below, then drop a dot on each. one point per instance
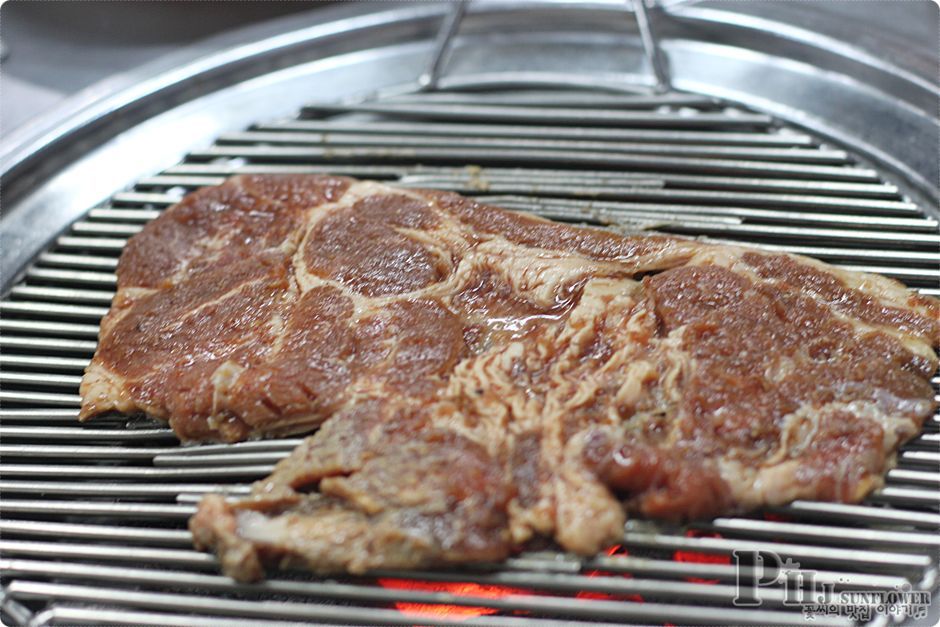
(92, 521)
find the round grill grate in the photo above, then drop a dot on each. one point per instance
(94, 518)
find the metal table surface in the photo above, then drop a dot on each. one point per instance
(56, 49)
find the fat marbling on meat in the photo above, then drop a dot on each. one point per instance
(484, 378)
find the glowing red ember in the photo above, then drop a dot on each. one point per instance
(697, 557)
(603, 596)
(458, 588)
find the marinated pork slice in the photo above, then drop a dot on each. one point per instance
(485, 378)
(265, 305)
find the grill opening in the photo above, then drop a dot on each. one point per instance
(93, 518)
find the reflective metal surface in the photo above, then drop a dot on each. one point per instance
(54, 171)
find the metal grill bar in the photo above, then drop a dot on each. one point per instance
(545, 115)
(93, 552)
(850, 207)
(882, 560)
(556, 98)
(99, 228)
(61, 294)
(798, 155)
(100, 261)
(141, 490)
(52, 310)
(76, 261)
(233, 166)
(915, 476)
(908, 496)
(69, 415)
(553, 583)
(93, 508)
(59, 345)
(79, 452)
(721, 572)
(129, 472)
(68, 615)
(52, 363)
(484, 178)
(92, 503)
(787, 217)
(62, 329)
(114, 533)
(513, 572)
(535, 567)
(527, 156)
(860, 514)
(826, 534)
(617, 134)
(210, 174)
(70, 242)
(309, 611)
(132, 215)
(218, 460)
(170, 180)
(40, 398)
(927, 458)
(75, 433)
(40, 379)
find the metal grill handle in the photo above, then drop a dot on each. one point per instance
(429, 80)
(658, 59)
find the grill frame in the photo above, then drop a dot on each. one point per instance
(83, 302)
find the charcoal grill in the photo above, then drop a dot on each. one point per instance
(619, 131)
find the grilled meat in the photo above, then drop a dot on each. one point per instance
(485, 378)
(265, 305)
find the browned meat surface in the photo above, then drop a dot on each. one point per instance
(484, 378)
(262, 306)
